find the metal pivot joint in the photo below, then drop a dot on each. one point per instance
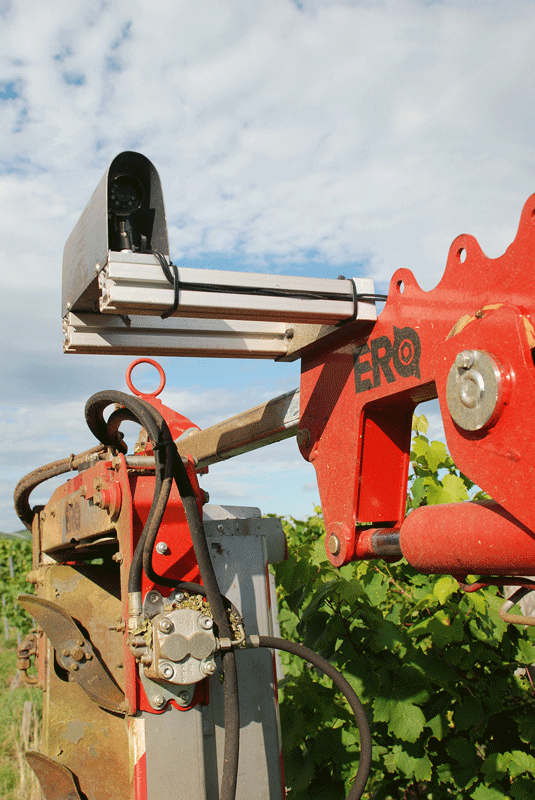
(474, 390)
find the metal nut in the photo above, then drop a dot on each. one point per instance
(206, 623)
(165, 625)
(184, 698)
(154, 597)
(209, 667)
(158, 700)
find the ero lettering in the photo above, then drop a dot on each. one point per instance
(401, 355)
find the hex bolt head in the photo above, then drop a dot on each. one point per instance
(73, 667)
(167, 671)
(162, 548)
(165, 625)
(154, 597)
(465, 359)
(179, 596)
(184, 698)
(206, 623)
(209, 667)
(158, 700)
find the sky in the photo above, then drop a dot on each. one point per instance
(304, 138)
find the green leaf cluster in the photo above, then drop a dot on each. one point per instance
(443, 680)
(15, 554)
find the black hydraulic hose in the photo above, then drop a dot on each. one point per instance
(168, 461)
(94, 413)
(359, 784)
(26, 485)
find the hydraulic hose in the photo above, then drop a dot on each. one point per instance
(26, 485)
(338, 679)
(169, 466)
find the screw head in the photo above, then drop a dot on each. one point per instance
(162, 548)
(206, 623)
(154, 597)
(184, 698)
(165, 625)
(167, 671)
(179, 596)
(158, 700)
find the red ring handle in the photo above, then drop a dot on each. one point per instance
(131, 385)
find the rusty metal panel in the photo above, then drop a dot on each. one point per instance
(89, 741)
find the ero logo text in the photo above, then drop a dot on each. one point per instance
(381, 356)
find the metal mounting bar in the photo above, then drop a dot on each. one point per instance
(137, 335)
(269, 422)
(134, 283)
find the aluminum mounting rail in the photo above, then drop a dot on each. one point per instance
(139, 335)
(134, 283)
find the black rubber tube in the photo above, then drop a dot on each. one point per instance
(94, 414)
(26, 485)
(359, 784)
(168, 461)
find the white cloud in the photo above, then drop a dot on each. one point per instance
(304, 137)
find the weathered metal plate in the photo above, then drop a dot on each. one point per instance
(56, 781)
(83, 737)
(74, 652)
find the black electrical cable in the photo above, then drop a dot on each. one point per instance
(359, 784)
(170, 271)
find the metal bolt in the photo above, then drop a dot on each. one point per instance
(162, 548)
(80, 642)
(303, 437)
(69, 306)
(73, 667)
(184, 698)
(165, 625)
(77, 653)
(208, 668)
(158, 700)
(154, 597)
(206, 623)
(167, 671)
(220, 528)
(66, 652)
(179, 596)
(97, 268)
(475, 389)
(333, 543)
(465, 359)
(118, 557)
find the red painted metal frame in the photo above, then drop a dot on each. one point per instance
(357, 403)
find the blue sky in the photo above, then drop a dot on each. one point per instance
(306, 138)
